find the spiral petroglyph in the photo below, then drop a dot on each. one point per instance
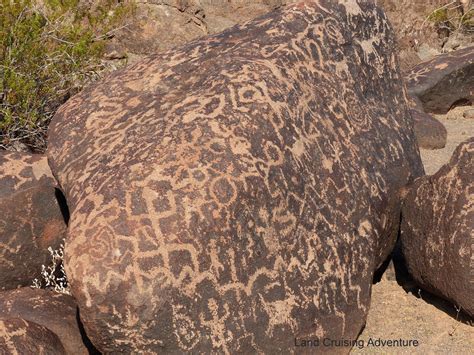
(237, 192)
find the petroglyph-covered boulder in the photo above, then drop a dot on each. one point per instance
(32, 220)
(21, 171)
(55, 311)
(444, 81)
(19, 336)
(238, 192)
(438, 228)
(161, 25)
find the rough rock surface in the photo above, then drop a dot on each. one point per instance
(159, 25)
(444, 81)
(55, 311)
(438, 226)
(430, 133)
(21, 171)
(31, 221)
(239, 191)
(408, 18)
(19, 336)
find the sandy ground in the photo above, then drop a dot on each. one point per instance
(459, 129)
(399, 310)
(399, 314)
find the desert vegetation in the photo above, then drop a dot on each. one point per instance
(48, 51)
(53, 276)
(453, 17)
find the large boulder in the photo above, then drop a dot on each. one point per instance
(444, 81)
(55, 311)
(236, 194)
(19, 336)
(438, 227)
(32, 218)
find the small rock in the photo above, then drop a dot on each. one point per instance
(430, 133)
(425, 52)
(457, 40)
(469, 114)
(17, 146)
(115, 55)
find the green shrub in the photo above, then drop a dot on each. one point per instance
(49, 50)
(439, 15)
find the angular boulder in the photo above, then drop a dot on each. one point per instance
(444, 81)
(236, 194)
(55, 311)
(438, 227)
(32, 218)
(19, 336)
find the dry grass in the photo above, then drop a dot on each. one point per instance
(454, 16)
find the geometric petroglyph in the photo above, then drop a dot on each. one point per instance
(239, 191)
(32, 218)
(445, 81)
(56, 312)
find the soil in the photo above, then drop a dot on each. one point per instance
(459, 129)
(399, 309)
(397, 313)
